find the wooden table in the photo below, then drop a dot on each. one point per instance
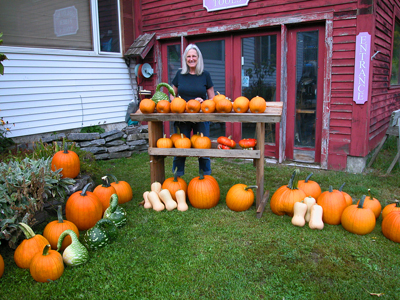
(272, 114)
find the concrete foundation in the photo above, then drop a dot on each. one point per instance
(356, 165)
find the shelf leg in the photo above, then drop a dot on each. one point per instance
(260, 133)
(157, 168)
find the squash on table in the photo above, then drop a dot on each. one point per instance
(83, 208)
(241, 104)
(159, 95)
(299, 212)
(218, 97)
(316, 221)
(395, 206)
(310, 187)
(147, 106)
(203, 191)
(257, 104)
(181, 200)
(163, 106)
(54, 229)
(193, 106)
(202, 142)
(183, 142)
(248, 144)
(115, 213)
(166, 198)
(208, 106)
(174, 184)
(146, 202)
(103, 192)
(1, 266)
(240, 197)
(309, 201)
(333, 204)
(123, 189)
(47, 265)
(283, 200)
(223, 106)
(391, 226)
(164, 142)
(226, 141)
(100, 235)
(74, 254)
(155, 201)
(178, 105)
(68, 161)
(193, 138)
(373, 204)
(30, 246)
(176, 135)
(358, 219)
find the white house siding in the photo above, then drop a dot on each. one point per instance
(51, 93)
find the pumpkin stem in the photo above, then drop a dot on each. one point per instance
(308, 177)
(201, 177)
(341, 187)
(293, 183)
(397, 203)
(85, 189)
(59, 214)
(251, 187)
(28, 232)
(105, 181)
(65, 148)
(46, 250)
(69, 232)
(113, 177)
(361, 203)
(330, 189)
(176, 175)
(370, 195)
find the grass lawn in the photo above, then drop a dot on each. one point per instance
(221, 254)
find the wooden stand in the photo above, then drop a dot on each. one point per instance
(272, 114)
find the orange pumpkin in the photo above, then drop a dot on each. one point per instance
(193, 138)
(53, 230)
(333, 205)
(373, 204)
(257, 105)
(202, 142)
(176, 136)
(218, 97)
(183, 142)
(163, 106)
(224, 106)
(147, 106)
(310, 187)
(173, 184)
(1, 266)
(208, 106)
(164, 142)
(193, 106)
(103, 192)
(391, 226)
(84, 209)
(68, 161)
(283, 200)
(47, 265)
(347, 197)
(240, 197)
(203, 191)
(391, 207)
(358, 219)
(123, 189)
(178, 105)
(33, 244)
(241, 104)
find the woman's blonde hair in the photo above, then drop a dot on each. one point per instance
(200, 63)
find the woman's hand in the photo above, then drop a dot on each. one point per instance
(199, 99)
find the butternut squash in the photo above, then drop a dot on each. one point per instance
(155, 201)
(180, 196)
(165, 196)
(310, 201)
(299, 211)
(147, 203)
(156, 187)
(316, 217)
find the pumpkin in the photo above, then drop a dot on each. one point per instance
(75, 254)
(68, 161)
(391, 207)
(178, 105)
(176, 135)
(310, 187)
(358, 219)
(241, 104)
(391, 226)
(223, 106)
(333, 204)
(103, 192)
(164, 142)
(163, 106)
(226, 141)
(1, 266)
(202, 142)
(123, 189)
(147, 106)
(347, 197)
(283, 200)
(208, 106)
(47, 265)
(175, 183)
(83, 208)
(203, 191)
(240, 197)
(53, 230)
(115, 213)
(218, 97)
(183, 142)
(247, 144)
(193, 138)
(30, 246)
(257, 105)
(373, 204)
(193, 106)
(99, 235)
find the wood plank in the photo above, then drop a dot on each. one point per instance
(251, 154)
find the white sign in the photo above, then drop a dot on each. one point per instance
(361, 68)
(212, 5)
(66, 21)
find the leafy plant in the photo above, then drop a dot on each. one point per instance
(2, 56)
(5, 142)
(93, 128)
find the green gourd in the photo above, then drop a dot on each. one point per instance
(74, 254)
(99, 235)
(159, 95)
(115, 213)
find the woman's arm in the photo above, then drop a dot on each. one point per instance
(176, 93)
(210, 93)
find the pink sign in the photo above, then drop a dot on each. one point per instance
(212, 5)
(361, 69)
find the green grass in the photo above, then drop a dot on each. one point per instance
(221, 254)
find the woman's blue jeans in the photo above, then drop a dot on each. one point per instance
(186, 128)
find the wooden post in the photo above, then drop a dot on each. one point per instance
(260, 133)
(157, 169)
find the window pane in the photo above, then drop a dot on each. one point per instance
(395, 77)
(61, 24)
(108, 25)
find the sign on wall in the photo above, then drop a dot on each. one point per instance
(361, 70)
(212, 5)
(66, 21)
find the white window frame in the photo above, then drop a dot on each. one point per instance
(95, 35)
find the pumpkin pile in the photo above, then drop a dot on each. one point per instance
(179, 140)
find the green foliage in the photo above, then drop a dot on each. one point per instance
(24, 187)
(93, 128)
(5, 142)
(2, 56)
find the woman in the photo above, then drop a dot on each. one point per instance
(192, 82)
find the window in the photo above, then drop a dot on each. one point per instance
(395, 76)
(61, 24)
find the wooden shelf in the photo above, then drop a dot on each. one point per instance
(252, 154)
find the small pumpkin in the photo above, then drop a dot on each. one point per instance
(47, 265)
(147, 106)
(333, 204)
(115, 213)
(193, 106)
(240, 197)
(203, 191)
(241, 104)
(248, 144)
(176, 135)
(373, 204)
(29, 247)
(223, 106)
(358, 219)
(208, 106)
(391, 207)
(103, 192)
(75, 253)
(164, 142)
(83, 208)
(202, 142)
(99, 235)
(175, 183)
(54, 229)
(310, 187)
(391, 226)
(1, 266)
(178, 105)
(68, 161)
(183, 142)
(257, 105)
(218, 97)
(163, 106)
(226, 141)
(123, 189)
(193, 138)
